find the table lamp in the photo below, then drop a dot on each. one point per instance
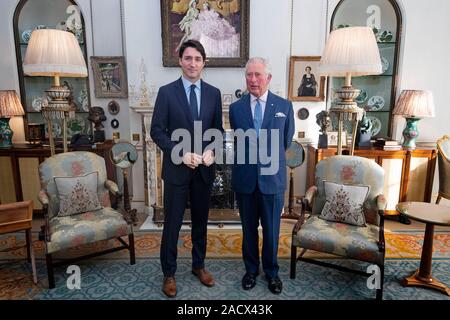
(10, 106)
(350, 52)
(413, 105)
(55, 53)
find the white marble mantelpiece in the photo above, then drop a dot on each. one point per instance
(152, 161)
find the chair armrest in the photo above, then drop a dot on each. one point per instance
(44, 234)
(43, 197)
(381, 206)
(309, 197)
(301, 218)
(113, 188)
(381, 202)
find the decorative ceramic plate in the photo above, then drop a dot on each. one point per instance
(362, 96)
(26, 35)
(38, 103)
(76, 125)
(376, 125)
(303, 114)
(83, 100)
(375, 103)
(57, 130)
(385, 36)
(384, 64)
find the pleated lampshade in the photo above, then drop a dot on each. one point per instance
(10, 105)
(52, 52)
(351, 50)
(415, 103)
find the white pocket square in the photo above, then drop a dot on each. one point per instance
(280, 115)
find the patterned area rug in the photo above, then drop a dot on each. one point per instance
(111, 276)
(116, 279)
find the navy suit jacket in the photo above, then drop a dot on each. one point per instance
(246, 177)
(172, 112)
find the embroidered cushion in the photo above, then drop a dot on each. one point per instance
(344, 203)
(77, 194)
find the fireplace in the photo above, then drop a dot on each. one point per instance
(223, 207)
(222, 202)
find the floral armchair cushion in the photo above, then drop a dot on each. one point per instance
(352, 170)
(344, 203)
(77, 194)
(85, 228)
(70, 164)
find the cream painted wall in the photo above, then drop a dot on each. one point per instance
(424, 63)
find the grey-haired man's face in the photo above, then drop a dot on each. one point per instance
(257, 79)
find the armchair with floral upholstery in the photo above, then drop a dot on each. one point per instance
(359, 242)
(77, 208)
(443, 145)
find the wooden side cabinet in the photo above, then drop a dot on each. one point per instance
(19, 170)
(408, 174)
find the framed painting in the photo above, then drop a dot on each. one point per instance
(305, 84)
(110, 77)
(221, 26)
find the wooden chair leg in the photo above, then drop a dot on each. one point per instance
(438, 199)
(29, 243)
(30, 253)
(132, 252)
(51, 276)
(380, 291)
(293, 261)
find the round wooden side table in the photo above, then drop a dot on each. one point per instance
(430, 214)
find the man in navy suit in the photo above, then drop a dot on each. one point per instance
(260, 184)
(177, 106)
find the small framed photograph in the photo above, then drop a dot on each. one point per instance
(333, 138)
(113, 107)
(227, 99)
(305, 83)
(110, 77)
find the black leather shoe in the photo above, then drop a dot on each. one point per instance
(275, 285)
(249, 281)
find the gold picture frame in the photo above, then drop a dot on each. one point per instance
(181, 20)
(305, 85)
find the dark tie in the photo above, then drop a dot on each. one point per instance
(257, 117)
(193, 103)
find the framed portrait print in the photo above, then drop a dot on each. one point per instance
(110, 78)
(305, 84)
(221, 26)
(333, 138)
(113, 107)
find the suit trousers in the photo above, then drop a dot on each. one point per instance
(175, 201)
(254, 207)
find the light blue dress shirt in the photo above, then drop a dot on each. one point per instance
(187, 89)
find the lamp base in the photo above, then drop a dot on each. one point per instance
(5, 133)
(410, 133)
